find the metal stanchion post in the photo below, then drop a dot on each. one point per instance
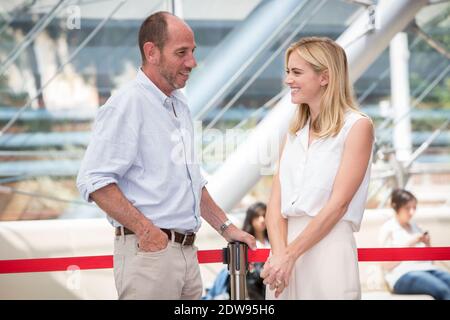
(235, 255)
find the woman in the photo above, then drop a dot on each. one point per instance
(319, 193)
(411, 277)
(255, 224)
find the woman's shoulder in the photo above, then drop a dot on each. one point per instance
(351, 116)
(387, 229)
(358, 123)
(385, 232)
(389, 224)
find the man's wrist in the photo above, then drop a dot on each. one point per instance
(145, 227)
(225, 226)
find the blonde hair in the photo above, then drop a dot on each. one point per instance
(323, 54)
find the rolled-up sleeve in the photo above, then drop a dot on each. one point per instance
(110, 153)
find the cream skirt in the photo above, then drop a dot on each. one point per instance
(329, 270)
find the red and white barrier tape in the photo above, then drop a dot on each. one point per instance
(214, 256)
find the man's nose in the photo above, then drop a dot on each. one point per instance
(191, 62)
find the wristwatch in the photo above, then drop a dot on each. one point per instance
(224, 226)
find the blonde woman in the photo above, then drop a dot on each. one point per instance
(319, 193)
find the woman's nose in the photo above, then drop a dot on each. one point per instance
(287, 80)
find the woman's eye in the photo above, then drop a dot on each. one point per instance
(295, 72)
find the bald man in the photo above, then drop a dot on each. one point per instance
(140, 169)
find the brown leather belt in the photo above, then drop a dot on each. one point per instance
(184, 239)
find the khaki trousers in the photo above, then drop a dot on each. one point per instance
(170, 274)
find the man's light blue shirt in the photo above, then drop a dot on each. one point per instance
(143, 141)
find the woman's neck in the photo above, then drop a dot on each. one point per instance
(403, 224)
(260, 236)
(314, 109)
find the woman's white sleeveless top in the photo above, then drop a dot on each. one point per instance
(307, 174)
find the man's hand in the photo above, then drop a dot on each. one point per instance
(232, 233)
(152, 239)
(111, 200)
(215, 216)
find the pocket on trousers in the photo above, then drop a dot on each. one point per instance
(143, 253)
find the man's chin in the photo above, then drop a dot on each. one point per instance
(180, 85)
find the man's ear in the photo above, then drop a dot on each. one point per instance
(324, 77)
(151, 52)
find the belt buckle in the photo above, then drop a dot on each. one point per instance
(186, 235)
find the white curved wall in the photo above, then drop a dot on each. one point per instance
(90, 237)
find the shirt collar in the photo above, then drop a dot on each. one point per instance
(148, 84)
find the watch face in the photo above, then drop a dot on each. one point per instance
(224, 226)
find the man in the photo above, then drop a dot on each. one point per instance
(139, 169)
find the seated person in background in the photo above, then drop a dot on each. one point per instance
(254, 224)
(411, 277)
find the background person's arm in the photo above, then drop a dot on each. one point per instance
(385, 240)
